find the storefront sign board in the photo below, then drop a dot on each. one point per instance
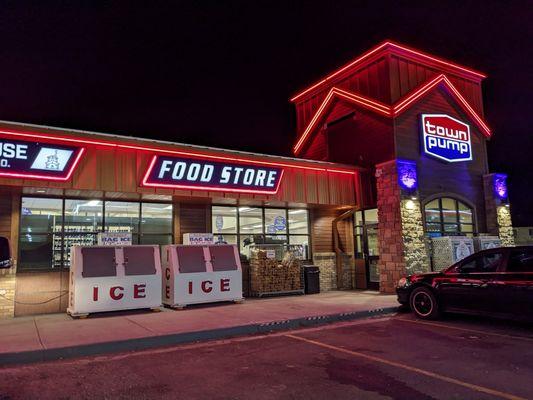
(35, 160)
(446, 138)
(214, 175)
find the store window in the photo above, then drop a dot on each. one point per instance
(224, 223)
(50, 226)
(156, 224)
(122, 217)
(41, 221)
(447, 216)
(256, 226)
(83, 221)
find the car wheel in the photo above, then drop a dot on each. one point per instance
(424, 304)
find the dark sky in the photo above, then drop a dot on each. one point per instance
(220, 73)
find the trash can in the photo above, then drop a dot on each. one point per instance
(311, 279)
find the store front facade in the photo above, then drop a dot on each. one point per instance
(390, 152)
(155, 192)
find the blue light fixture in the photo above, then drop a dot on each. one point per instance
(407, 175)
(500, 186)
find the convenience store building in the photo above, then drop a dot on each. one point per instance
(390, 150)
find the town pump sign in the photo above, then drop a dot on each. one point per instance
(446, 138)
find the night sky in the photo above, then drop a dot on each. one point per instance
(221, 73)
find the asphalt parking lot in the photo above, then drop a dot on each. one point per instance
(396, 357)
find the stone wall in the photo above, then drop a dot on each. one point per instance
(9, 214)
(505, 226)
(326, 262)
(402, 246)
(391, 251)
(348, 271)
(416, 251)
(7, 293)
(498, 213)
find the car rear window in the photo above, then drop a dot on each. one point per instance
(484, 263)
(521, 261)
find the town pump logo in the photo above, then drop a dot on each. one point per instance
(446, 138)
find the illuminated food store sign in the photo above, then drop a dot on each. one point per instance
(446, 138)
(34, 160)
(217, 175)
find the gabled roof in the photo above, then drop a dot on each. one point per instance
(398, 49)
(390, 111)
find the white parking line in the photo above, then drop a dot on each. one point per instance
(477, 388)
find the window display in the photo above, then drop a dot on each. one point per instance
(49, 227)
(448, 217)
(249, 226)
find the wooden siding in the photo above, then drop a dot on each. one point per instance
(322, 229)
(363, 139)
(464, 178)
(193, 218)
(372, 80)
(120, 171)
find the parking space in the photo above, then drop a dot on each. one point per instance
(382, 358)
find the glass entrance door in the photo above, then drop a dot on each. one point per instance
(367, 249)
(371, 255)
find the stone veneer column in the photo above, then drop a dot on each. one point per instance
(7, 293)
(9, 215)
(497, 209)
(402, 248)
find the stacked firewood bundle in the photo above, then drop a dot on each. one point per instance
(268, 275)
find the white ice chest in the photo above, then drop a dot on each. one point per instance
(201, 274)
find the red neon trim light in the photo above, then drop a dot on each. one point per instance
(352, 97)
(376, 49)
(389, 111)
(47, 177)
(31, 135)
(208, 188)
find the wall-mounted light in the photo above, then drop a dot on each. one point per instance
(407, 175)
(500, 186)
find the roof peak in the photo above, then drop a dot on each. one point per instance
(400, 49)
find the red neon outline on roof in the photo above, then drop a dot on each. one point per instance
(376, 49)
(207, 188)
(352, 97)
(167, 151)
(393, 111)
(47, 177)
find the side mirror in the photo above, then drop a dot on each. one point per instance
(5, 254)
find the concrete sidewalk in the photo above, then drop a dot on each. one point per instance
(55, 336)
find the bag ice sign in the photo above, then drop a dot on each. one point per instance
(446, 138)
(193, 173)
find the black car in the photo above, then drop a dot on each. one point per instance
(498, 282)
